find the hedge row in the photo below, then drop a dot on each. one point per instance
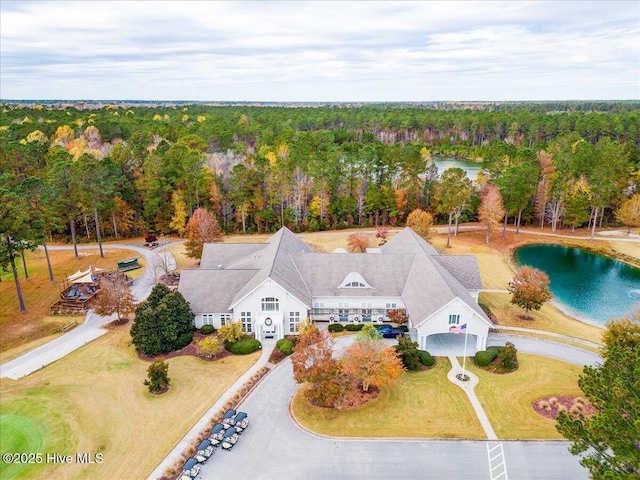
(336, 327)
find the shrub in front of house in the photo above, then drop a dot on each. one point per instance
(285, 346)
(484, 357)
(351, 327)
(207, 329)
(183, 340)
(244, 346)
(495, 350)
(336, 327)
(425, 358)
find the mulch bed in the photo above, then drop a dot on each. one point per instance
(188, 350)
(555, 404)
(355, 397)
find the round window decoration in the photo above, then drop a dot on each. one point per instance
(268, 322)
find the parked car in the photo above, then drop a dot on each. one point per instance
(241, 421)
(216, 434)
(230, 439)
(388, 331)
(228, 418)
(190, 469)
(205, 450)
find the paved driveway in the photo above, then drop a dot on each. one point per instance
(275, 447)
(91, 328)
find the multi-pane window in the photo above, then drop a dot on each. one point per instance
(454, 319)
(225, 319)
(270, 304)
(245, 318)
(392, 305)
(207, 319)
(366, 309)
(294, 321)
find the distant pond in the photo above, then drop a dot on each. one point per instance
(470, 168)
(589, 286)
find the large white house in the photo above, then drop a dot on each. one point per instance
(271, 287)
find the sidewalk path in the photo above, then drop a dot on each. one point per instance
(90, 329)
(469, 388)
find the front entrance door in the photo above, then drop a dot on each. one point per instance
(269, 328)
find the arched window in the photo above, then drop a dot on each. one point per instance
(270, 304)
(354, 280)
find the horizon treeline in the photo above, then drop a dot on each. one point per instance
(135, 170)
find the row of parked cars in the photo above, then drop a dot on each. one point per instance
(224, 434)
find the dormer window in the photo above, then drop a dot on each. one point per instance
(354, 280)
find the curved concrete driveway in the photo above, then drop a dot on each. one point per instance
(86, 332)
(275, 446)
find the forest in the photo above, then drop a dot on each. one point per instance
(133, 169)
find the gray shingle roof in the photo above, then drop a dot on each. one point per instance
(464, 269)
(211, 291)
(275, 262)
(408, 241)
(214, 254)
(408, 267)
(324, 272)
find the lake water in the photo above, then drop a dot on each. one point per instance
(590, 286)
(471, 168)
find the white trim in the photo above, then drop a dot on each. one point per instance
(446, 305)
(260, 285)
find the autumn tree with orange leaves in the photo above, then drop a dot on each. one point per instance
(372, 363)
(202, 228)
(491, 210)
(358, 242)
(313, 363)
(529, 289)
(114, 296)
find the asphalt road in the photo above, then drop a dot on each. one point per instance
(274, 446)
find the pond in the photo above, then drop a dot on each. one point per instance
(471, 168)
(588, 286)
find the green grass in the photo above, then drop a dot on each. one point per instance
(548, 318)
(93, 400)
(428, 405)
(421, 405)
(18, 434)
(507, 398)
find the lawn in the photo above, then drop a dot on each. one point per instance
(548, 318)
(422, 405)
(507, 398)
(436, 408)
(39, 293)
(94, 401)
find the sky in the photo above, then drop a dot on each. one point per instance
(303, 51)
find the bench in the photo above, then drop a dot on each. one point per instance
(68, 326)
(128, 264)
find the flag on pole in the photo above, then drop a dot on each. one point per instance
(455, 329)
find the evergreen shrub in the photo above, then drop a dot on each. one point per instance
(285, 346)
(244, 346)
(353, 327)
(484, 358)
(425, 358)
(207, 329)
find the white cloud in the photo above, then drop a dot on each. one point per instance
(346, 51)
